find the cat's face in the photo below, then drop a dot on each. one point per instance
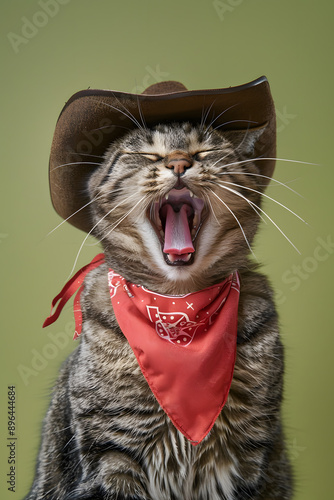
(173, 206)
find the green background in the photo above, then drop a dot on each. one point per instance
(128, 45)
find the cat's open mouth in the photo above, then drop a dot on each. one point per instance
(177, 220)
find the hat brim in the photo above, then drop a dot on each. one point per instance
(92, 119)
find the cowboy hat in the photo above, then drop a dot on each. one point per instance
(92, 119)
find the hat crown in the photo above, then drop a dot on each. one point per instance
(165, 88)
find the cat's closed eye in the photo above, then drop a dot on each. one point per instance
(155, 157)
(201, 155)
(151, 156)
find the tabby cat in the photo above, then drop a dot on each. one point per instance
(105, 435)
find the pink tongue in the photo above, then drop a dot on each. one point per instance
(177, 232)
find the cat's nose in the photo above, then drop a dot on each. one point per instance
(179, 161)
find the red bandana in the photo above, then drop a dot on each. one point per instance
(185, 345)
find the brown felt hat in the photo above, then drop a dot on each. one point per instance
(92, 119)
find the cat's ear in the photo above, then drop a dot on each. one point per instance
(246, 141)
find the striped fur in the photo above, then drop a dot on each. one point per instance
(105, 436)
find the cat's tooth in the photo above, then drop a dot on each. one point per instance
(191, 194)
(172, 258)
(196, 221)
(166, 196)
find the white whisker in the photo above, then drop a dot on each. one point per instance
(265, 177)
(259, 158)
(205, 116)
(141, 114)
(271, 220)
(239, 147)
(236, 218)
(122, 218)
(220, 114)
(95, 225)
(214, 214)
(76, 163)
(254, 206)
(126, 113)
(109, 126)
(234, 121)
(266, 196)
(74, 213)
(87, 154)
